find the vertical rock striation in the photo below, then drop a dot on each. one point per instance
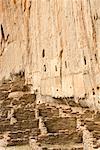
(49, 72)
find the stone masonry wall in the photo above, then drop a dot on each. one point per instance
(56, 42)
(55, 123)
(49, 74)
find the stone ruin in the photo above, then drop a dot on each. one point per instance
(45, 123)
(49, 75)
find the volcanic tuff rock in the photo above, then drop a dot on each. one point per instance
(49, 73)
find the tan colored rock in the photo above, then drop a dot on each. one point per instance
(52, 46)
(15, 95)
(56, 42)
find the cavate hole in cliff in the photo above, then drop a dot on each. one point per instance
(7, 38)
(85, 60)
(2, 32)
(14, 1)
(93, 91)
(98, 87)
(65, 64)
(24, 5)
(96, 17)
(20, 74)
(96, 57)
(55, 68)
(44, 68)
(43, 53)
(60, 56)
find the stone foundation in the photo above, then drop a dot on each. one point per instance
(56, 124)
(50, 74)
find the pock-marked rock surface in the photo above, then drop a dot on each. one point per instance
(50, 74)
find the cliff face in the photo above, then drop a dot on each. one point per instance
(54, 45)
(55, 42)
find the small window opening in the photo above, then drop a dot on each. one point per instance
(94, 18)
(55, 68)
(43, 53)
(14, 1)
(7, 37)
(2, 32)
(84, 60)
(65, 64)
(44, 68)
(95, 57)
(93, 91)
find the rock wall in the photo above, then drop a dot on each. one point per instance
(56, 43)
(56, 123)
(49, 72)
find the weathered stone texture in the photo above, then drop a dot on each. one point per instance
(49, 73)
(53, 124)
(56, 43)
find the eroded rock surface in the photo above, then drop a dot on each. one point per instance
(50, 74)
(55, 124)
